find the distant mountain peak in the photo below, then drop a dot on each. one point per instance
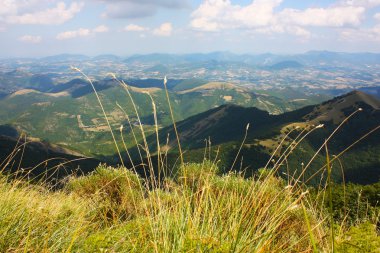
(362, 97)
(290, 64)
(338, 108)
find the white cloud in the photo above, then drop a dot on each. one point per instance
(135, 28)
(363, 3)
(52, 16)
(262, 16)
(31, 39)
(101, 29)
(18, 7)
(280, 29)
(363, 34)
(82, 32)
(7, 7)
(377, 16)
(165, 29)
(215, 15)
(328, 17)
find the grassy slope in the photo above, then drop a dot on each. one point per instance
(197, 210)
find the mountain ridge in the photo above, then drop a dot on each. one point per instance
(225, 127)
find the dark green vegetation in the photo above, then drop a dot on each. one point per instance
(354, 203)
(225, 127)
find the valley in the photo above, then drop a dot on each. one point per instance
(59, 106)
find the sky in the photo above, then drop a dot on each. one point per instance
(37, 28)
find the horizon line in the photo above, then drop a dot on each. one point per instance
(182, 54)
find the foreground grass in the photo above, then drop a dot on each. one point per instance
(111, 210)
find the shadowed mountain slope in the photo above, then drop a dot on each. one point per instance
(30, 158)
(225, 127)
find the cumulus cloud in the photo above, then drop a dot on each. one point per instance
(165, 29)
(215, 15)
(7, 8)
(14, 7)
(56, 15)
(280, 29)
(363, 34)
(135, 28)
(377, 16)
(140, 8)
(31, 39)
(331, 17)
(363, 3)
(262, 16)
(81, 32)
(101, 29)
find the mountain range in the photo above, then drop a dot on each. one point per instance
(307, 58)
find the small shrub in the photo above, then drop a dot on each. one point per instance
(116, 193)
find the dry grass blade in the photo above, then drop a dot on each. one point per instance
(173, 121)
(104, 112)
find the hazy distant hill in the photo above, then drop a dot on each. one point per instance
(107, 57)
(308, 58)
(286, 65)
(65, 58)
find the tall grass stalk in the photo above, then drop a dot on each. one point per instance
(104, 112)
(173, 120)
(329, 188)
(343, 151)
(146, 147)
(132, 130)
(241, 146)
(328, 139)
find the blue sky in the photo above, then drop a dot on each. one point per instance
(33, 28)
